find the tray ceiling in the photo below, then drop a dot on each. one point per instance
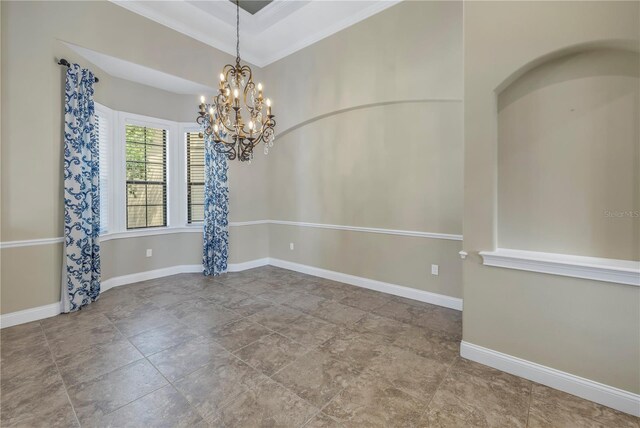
(278, 29)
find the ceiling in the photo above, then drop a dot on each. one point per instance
(133, 72)
(277, 28)
(252, 6)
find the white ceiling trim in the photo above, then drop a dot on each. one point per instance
(280, 29)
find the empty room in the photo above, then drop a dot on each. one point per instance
(320, 213)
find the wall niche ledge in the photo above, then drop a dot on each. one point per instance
(594, 268)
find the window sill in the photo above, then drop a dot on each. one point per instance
(197, 228)
(594, 268)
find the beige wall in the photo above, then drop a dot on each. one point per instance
(32, 38)
(568, 153)
(586, 328)
(370, 135)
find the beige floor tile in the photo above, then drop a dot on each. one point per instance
(275, 317)
(96, 361)
(337, 313)
(357, 349)
(401, 311)
(39, 391)
(270, 353)
(409, 372)
(213, 386)
(50, 407)
(238, 334)
(163, 337)
(254, 287)
(553, 408)
(365, 300)
(309, 331)
(374, 402)
(141, 321)
(223, 295)
(21, 335)
(64, 344)
(316, 377)
(428, 343)
(23, 360)
(248, 306)
(267, 405)
(178, 361)
(94, 399)
(386, 328)
(164, 407)
(482, 396)
(322, 421)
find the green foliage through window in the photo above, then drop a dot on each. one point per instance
(146, 165)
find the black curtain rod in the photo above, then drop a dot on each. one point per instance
(66, 64)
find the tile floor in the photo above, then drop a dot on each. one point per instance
(265, 347)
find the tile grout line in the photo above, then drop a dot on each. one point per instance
(144, 357)
(64, 385)
(530, 401)
(444, 378)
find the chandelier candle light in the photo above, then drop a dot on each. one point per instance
(223, 121)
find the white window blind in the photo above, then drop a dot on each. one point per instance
(195, 177)
(103, 127)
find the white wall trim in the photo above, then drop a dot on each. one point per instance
(615, 398)
(197, 228)
(30, 242)
(248, 223)
(417, 234)
(28, 315)
(594, 268)
(372, 284)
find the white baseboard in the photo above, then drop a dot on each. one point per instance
(46, 311)
(150, 274)
(238, 267)
(609, 396)
(28, 315)
(372, 284)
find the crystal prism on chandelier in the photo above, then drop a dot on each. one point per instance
(239, 117)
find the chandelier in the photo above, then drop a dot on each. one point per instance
(239, 117)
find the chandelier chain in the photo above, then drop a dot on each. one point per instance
(238, 31)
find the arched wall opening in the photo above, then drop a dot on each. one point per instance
(569, 155)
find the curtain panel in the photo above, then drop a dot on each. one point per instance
(216, 210)
(81, 270)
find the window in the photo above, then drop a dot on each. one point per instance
(195, 177)
(104, 142)
(146, 171)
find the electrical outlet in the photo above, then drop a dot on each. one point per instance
(434, 269)
(149, 252)
(291, 246)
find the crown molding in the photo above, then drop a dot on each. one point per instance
(278, 30)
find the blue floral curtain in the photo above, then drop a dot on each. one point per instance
(81, 270)
(216, 211)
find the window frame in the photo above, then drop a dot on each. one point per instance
(175, 167)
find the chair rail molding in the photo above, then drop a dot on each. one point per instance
(197, 228)
(594, 268)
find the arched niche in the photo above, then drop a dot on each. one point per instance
(569, 154)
